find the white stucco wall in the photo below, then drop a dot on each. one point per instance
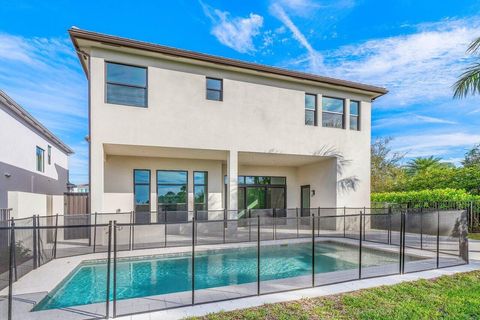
(19, 144)
(257, 114)
(26, 204)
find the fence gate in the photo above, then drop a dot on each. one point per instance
(76, 213)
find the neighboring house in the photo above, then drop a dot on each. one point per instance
(33, 163)
(78, 188)
(178, 130)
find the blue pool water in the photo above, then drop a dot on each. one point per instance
(155, 275)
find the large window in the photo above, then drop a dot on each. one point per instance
(172, 194)
(310, 109)
(200, 190)
(354, 115)
(40, 159)
(333, 110)
(126, 85)
(141, 186)
(214, 89)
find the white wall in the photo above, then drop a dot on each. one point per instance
(258, 114)
(19, 144)
(26, 204)
(118, 192)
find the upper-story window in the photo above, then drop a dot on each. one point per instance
(310, 109)
(40, 159)
(49, 155)
(126, 85)
(214, 89)
(354, 115)
(333, 110)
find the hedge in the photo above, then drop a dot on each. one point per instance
(435, 195)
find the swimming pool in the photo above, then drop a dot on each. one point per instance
(164, 274)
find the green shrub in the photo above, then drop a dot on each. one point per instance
(425, 196)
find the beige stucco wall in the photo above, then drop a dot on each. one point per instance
(118, 194)
(258, 114)
(26, 204)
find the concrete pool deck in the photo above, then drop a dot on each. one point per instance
(31, 288)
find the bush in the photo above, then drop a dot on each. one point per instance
(425, 196)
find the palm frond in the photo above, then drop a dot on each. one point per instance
(474, 47)
(469, 82)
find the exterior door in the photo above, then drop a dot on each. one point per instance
(305, 201)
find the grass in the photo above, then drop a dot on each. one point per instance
(474, 236)
(446, 297)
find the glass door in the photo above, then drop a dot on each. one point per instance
(305, 201)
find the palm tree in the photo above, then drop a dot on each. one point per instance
(419, 164)
(469, 81)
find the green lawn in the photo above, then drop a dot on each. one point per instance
(474, 236)
(447, 297)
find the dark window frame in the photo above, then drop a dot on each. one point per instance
(42, 169)
(49, 154)
(205, 185)
(332, 112)
(124, 84)
(141, 218)
(358, 116)
(315, 111)
(216, 90)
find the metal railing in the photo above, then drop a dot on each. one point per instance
(282, 249)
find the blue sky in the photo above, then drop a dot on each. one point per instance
(414, 48)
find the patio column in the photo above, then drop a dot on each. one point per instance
(232, 180)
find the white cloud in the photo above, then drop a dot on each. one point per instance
(433, 144)
(237, 32)
(407, 119)
(314, 58)
(418, 67)
(44, 76)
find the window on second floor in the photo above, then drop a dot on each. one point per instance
(333, 111)
(49, 155)
(126, 85)
(354, 115)
(40, 159)
(214, 89)
(310, 109)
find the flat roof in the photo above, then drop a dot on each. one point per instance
(29, 119)
(78, 34)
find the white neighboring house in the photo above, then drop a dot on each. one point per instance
(178, 130)
(33, 163)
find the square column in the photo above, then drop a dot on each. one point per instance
(232, 180)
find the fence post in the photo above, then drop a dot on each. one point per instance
(165, 223)
(107, 302)
(389, 225)
(274, 225)
(39, 251)
(364, 220)
(318, 227)
(258, 255)
(313, 250)
(34, 234)
(131, 239)
(438, 237)
(296, 210)
(94, 233)
(56, 238)
(225, 223)
(250, 225)
(114, 268)
(344, 217)
(421, 228)
(10, 267)
(193, 257)
(360, 249)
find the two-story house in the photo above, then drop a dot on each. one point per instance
(33, 163)
(175, 130)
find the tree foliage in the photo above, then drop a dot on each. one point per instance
(386, 171)
(469, 81)
(472, 157)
